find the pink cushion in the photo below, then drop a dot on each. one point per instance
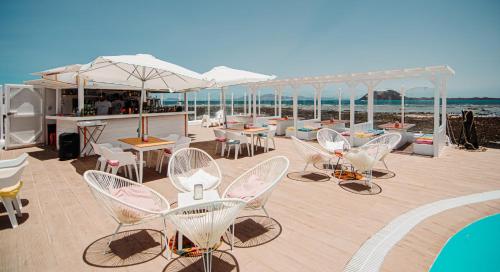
(167, 150)
(249, 189)
(114, 163)
(220, 139)
(423, 141)
(137, 196)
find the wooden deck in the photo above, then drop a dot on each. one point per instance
(315, 226)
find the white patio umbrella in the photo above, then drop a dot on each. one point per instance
(224, 77)
(142, 71)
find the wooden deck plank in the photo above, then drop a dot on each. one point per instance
(322, 224)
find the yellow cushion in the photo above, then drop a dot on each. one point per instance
(11, 191)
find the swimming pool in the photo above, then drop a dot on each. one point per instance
(474, 248)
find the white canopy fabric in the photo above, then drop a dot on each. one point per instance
(59, 70)
(144, 71)
(226, 76)
(136, 70)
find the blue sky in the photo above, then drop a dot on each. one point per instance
(285, 38)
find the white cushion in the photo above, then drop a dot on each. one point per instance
(200, 177)
(332, 146)
(360, 159)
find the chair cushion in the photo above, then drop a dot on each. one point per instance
(249, 189)
(167, 151)
(114, 163)
(360, 159)
(199, 177)
(334, 146)
(136, 196)
(11, 191)
(233, 142)
(220, 139)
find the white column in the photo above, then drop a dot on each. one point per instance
(402, 105)
(443, 105)
(186, 101)
(295, 107)
(254, 108)
(81, 94)
(232, 103)
(435, 142)
(250, 102)
(314, 104)
(208, 106)
(58, 101)
(340, 104)
(259, 102)
(320, 93)
(245, 103)
(370, 86)
(195, 113)
(220, 100)
(279, 101)
(275, 101)
(352, 89)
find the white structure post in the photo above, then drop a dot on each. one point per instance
(208, 104)
(295, 107)
(259, 102)
(402, 106)
(352, 90)
(279, 90)
(314, 103)
(58, 101)
(245, 103)
(195, 112)
(254, 108)
(232, 103)
(81, 93)
(250, 102)
(318, 91)
(220, 99)
(435, 140)
(275, 101)
(340, 104)
(370, 85)
(443, 105)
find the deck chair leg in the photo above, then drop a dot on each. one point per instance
(265, 211)
(97, 163)
(305, 167)
(16, 203)
(385, 164)
(111, 239)
(136, 173)
(7, 203)
(168, 253)
(232, 236)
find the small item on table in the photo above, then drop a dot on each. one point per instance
(397, 124)
(145, 137)
(198, 192)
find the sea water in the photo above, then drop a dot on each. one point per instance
(474, 248)
(490, 107)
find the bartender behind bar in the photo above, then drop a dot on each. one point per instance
(102, 106)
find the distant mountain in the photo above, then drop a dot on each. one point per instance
(383, 95)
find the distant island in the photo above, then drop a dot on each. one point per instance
(394, 95)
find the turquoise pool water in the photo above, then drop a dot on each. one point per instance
(474, 248)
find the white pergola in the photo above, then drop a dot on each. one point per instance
(436, 75)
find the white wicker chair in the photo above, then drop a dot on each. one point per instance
(187, 162)
(104, 187)
(329, 139)
(182, 142)
(364, 158)
(389, 139)
(205, 223)
(267, 173)
(101, 161)
(309, 153)
(10, 185)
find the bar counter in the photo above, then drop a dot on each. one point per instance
(125, 125)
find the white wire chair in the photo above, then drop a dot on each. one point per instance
(309, 153)
(205, 223)
(10, 186)
(267, 174)
(391, 140)
(364, 158)
(188, 162)
(108, 190)
(332, 141)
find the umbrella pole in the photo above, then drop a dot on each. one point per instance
(139, 133)
(223, 94)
